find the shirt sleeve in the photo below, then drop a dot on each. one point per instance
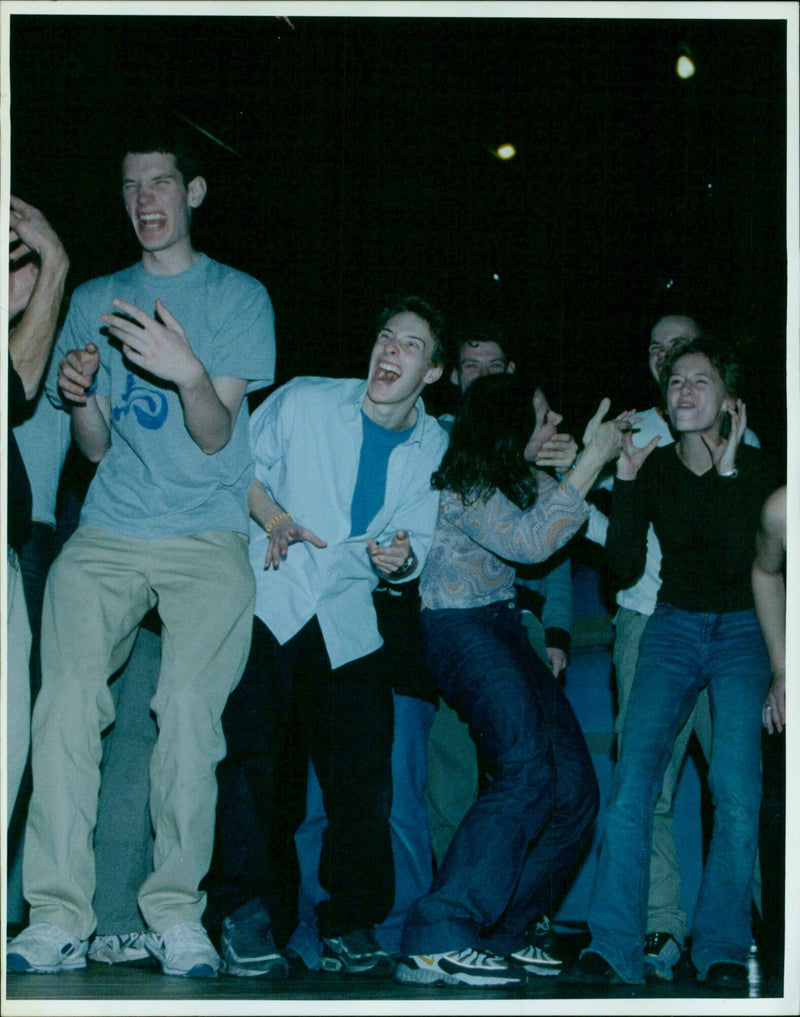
(626, 540)
(267, 426)
(244, 339)
(517, 535)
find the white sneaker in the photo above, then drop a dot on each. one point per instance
(459, 967)
(46, 949)
(536, 960)
(124, 948)
(184, 950)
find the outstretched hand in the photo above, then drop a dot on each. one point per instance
(602, 438)
(285, 533)
(631, 457)
(156, 344)
(558, 453)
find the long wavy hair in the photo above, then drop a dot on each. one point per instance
(487, 444)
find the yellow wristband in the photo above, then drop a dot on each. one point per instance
(275, 519)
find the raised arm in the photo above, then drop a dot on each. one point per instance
(769, 592)
(36, 290)
(602, 441)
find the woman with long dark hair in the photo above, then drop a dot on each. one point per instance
(514, 850)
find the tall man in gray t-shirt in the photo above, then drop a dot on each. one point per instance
(154, 363)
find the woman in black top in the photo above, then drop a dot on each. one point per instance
(703, 496)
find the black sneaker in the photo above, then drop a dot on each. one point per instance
(727, 976)
(247, 945)
(540, 955)
(459, 967)
(354, 953)
(661, 953)
(592, 969)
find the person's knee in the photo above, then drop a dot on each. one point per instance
(737, 804)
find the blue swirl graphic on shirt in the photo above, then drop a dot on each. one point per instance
(149, 407)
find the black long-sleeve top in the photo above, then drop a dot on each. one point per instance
(706, 527)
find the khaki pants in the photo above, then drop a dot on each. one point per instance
(99, 589)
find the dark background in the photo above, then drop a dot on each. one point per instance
(363, 167)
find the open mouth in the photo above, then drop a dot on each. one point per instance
(152, 221)
(387, 372)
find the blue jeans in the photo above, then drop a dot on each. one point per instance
(515, 848)
(682, 652)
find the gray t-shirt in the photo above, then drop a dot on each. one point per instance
(154, 481)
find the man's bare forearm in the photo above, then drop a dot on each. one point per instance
(208, 420)
(90, 427)
(32, 340)
(769, 592)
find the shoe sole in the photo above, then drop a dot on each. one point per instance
(539, 969)
(420, 976)
(130, 959)
(275, 973)
(334, 965)
(15, 967)
(198, 971)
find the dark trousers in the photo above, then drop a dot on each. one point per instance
(291, 706)
(772, 848)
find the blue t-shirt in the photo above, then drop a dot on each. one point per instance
(154, 481)
(370, 489)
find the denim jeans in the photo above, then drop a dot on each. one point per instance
(682, 652)
(515, 848)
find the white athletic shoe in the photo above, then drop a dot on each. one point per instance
(122, 948)
(45, 949)
(184, 950)
(459, 967)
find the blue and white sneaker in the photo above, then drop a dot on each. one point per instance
(354, 953)
(120, 948)
(45, 949)
(459, 967)
(248, 947)
(184, 950)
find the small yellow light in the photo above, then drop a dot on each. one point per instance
(684, 68)
(506, 151)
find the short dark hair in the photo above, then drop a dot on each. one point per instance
(429, 313)
(486, 453)
(169, 140)
(480, 330)
(721, 355)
